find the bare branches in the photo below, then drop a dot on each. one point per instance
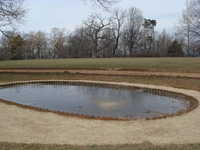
(190, 27)
(11, 12)
(96, 25)
(105, 4)
(118, 21)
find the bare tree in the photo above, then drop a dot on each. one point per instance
(190, 26)
(118, 19)
(58, 41)
(79, 44)
(29, 47)
(107, 43)
(96, 25)
(163, 43)
(11, 12)
(132, 33)
(36, 45)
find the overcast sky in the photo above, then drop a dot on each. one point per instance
(46, 14)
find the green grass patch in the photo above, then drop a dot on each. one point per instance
(140, 64)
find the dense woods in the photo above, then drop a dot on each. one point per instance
(120, 34)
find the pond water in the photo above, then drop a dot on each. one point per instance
(94, 101)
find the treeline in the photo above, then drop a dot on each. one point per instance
(119, 35)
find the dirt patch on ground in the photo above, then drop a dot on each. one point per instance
(105, 72)
(137, 73)
(20, 125)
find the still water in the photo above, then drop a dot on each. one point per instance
(93, 101)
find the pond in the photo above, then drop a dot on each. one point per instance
(95, 101)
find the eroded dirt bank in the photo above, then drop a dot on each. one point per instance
(105, 72)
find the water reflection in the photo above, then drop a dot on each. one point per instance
(93, 100)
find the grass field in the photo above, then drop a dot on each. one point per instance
(138, 64)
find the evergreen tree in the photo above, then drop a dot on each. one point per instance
(175, 49)
(15, 47)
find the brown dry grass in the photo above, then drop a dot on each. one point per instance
(143, 146)
(185, 83)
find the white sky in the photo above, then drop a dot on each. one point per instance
(46, 14)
